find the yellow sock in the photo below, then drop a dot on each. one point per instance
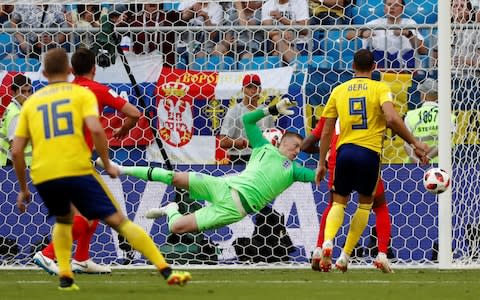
(334, 220)
(62, 243)
(357, 226)
(139, 239)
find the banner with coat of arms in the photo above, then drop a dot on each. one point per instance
(187, 107)
(191, 105)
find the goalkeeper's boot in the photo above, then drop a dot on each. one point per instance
(326, 258)
(381, 262)
(342, 262)
(179, 278)
(89, 267)
(154, 213)
(99, 163)
(67, 284)
(45, 263)
(316, 257)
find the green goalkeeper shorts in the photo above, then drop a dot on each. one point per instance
(221, 209)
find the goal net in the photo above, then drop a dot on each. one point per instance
(182, 64)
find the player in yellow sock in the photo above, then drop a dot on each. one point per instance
(364, 109)
(74, 181)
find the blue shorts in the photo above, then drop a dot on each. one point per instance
(357, 169)
(88, 193)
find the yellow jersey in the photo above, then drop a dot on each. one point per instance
(53, 119)
(357, 104)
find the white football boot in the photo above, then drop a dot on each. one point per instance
(90, 267)
(316, 257)
(326, 257)
(381, 262)
(342, 262)
(47, 264)
(154, 213)
(99, 163)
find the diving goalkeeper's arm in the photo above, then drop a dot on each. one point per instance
(254, 133)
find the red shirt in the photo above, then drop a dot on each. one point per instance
(105, 97)
(317, 132)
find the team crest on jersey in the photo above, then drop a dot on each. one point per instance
(287, 163)
(175, 115)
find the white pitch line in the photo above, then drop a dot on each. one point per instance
(328, 281)
(261, 282)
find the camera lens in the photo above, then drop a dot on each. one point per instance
(103, 60)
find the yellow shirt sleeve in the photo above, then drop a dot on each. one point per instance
(330, 110)
(384, 94)
(89, 104)
(22, 129)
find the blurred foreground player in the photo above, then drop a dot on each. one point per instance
(53, 118)
(83, 64)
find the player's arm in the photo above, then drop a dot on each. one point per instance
(406, 145)
(309, 144)
(303, 174)
(110, 98)
(327, 134)
(396, 124)
(20, 141)
(254, 134)
(100, 141)
(132, 115)
(18, 158)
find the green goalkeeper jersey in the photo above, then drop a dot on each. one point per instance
(269, 172)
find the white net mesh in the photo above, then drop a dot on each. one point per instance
(188, 59)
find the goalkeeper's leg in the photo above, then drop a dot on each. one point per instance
(177, 179)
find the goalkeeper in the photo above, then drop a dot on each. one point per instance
(269, 172)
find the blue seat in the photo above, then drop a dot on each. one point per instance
(367, 12)
(171, 5)
(213, 63)
(259, 62)
(340, 50)
(316, 62)
(20, 64)
(6, 44)
(423, 12)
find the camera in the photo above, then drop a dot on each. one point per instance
(106, 41)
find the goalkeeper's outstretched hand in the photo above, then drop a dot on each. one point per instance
(282, 107)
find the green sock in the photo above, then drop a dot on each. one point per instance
(173, 215)
(149, 173)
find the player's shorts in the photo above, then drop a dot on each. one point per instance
(380, 190)
(357, 168)
(88, 193)
(222, 209)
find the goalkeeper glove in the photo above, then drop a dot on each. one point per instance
(282, 107)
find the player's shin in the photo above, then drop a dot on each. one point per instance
(334, 220)
(323, 223)
(383, 226)
(150, 174)
(62, 242)
(140, 241)
(357, 226)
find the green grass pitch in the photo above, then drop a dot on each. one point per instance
(294, 284)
